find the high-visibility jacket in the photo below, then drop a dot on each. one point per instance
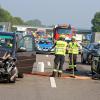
(73, 48)
(60, 47)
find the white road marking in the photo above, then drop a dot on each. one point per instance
(47, 55)
(53, 82)
(49, 64)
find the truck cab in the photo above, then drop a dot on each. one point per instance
(23, 50)
(65, 29)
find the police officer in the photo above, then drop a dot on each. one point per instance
(73, 51)
(60, 51)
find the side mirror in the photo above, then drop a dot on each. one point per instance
(21, 49)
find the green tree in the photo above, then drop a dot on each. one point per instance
(17, 21)
(35, 22)
(5, 16)
(96, 22)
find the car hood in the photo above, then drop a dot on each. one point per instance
(45, 45)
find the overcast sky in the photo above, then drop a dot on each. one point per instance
(75, 12)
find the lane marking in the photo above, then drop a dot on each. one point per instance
(47, 55)
(49, 64)
(53, 82)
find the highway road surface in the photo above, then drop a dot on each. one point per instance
(37, 87)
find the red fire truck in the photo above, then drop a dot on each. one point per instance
(64, 29)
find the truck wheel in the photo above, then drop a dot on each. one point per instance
(20, 75)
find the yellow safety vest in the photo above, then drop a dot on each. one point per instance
(60, 47)
(73, 48)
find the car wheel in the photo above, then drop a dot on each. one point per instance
(98, 68)
(92, 72)
(82, 60)
(20, 75)
(89, 59)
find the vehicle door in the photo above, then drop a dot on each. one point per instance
(91, 47)
(26, 55)
(85, 51)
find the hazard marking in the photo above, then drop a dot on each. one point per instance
(53, 82)
(47, 55)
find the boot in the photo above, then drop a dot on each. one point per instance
(59, 74)
(75, 69)
(69, 69)
(53, 74)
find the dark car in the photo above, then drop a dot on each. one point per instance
(86, 55)
(95, 65)
(22, 50)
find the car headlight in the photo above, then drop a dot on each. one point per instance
(39, 48)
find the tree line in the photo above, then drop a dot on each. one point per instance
(5, 16)
(96, 22)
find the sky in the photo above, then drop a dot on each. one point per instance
(78, 13)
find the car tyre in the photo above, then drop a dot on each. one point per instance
(89, 59)
(92, 72)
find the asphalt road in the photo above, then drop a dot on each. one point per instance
(34, 87)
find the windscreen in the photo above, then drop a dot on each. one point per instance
(63, 31)
(45, 42)
(41, 33)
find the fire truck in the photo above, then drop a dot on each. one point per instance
(64, 29)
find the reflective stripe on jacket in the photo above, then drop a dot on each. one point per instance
(60, 47)
(73, 48)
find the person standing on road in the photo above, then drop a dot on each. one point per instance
(60, 52)
(72, 51)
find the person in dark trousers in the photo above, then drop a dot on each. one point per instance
(60, 52)
(73, 52)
